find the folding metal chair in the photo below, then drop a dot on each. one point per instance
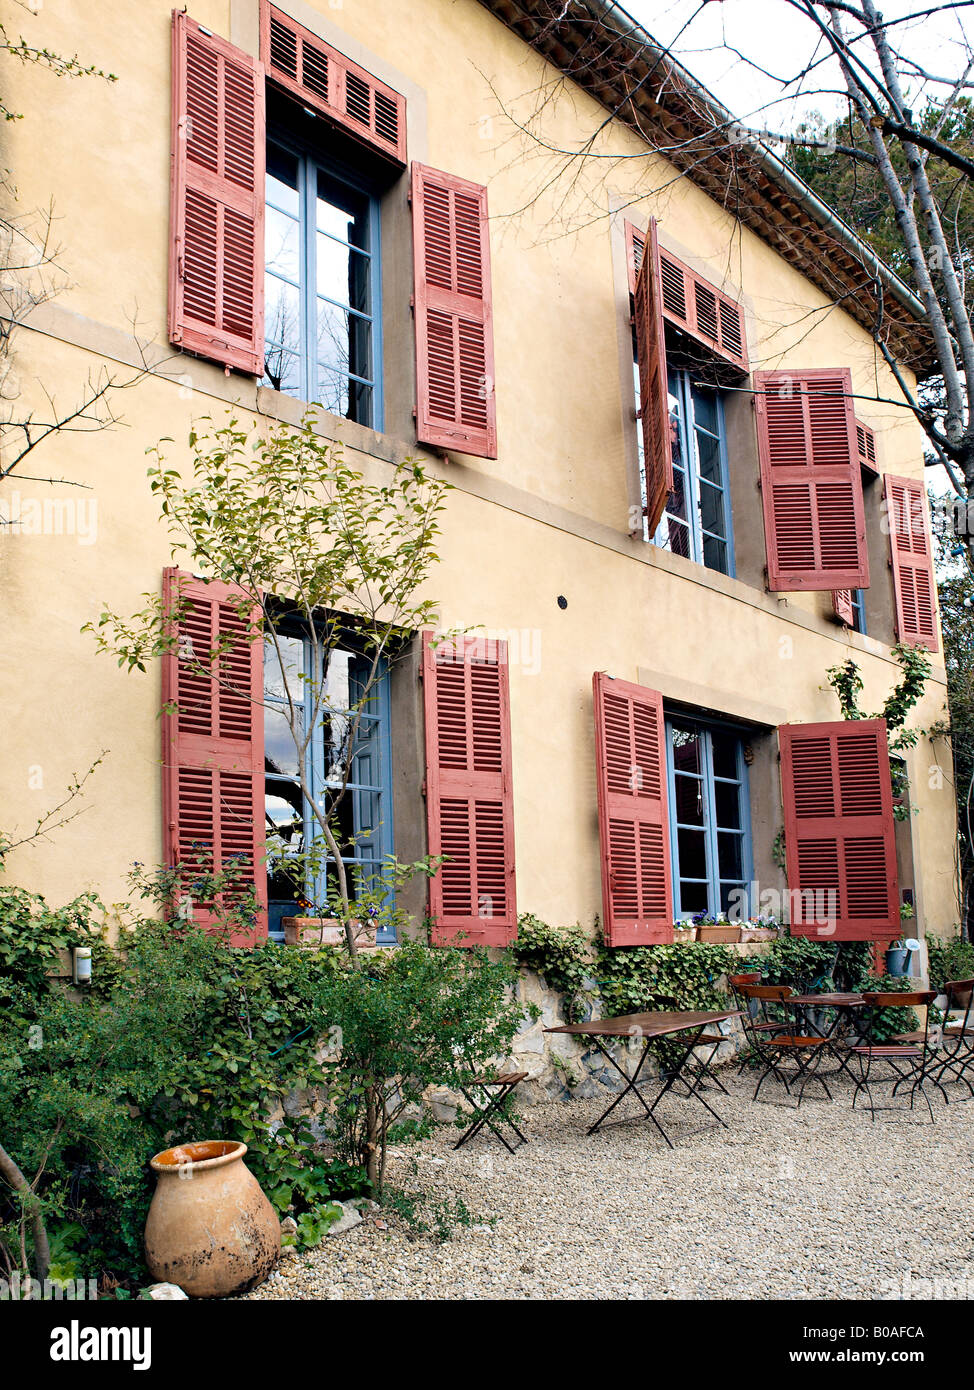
(497, 1089)
(774, 1048)
(912, 1063)
(694, 1068)
(754, 1021)
(957, 1055)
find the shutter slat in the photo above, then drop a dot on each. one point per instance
(469, 797)
(653, 394)
(213, 743)
(810, 480)
(842, 606)
(331, 84)
(911, 557)
(216, 273)
(455, 407)
(840, 848)
(630, 760)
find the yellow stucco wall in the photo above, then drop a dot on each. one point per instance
(549, 517)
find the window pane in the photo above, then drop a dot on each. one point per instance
(692, 852)
(286, 652)
(705, 410)
(728, 805)
(679, 535)
(341, 211)
(342, 275)
(282, 370)
(283, 818)
(686, 748)
(282, 180)
(708, 458)
(689, 799)
(282, 243)
(676, 503)
(734, 900)
(344, 341)
(711, 508)
(725, 748)
(280, 753)
(343, 396)
(730, 855)
(715, 554)
(282, 310)
(693, 897)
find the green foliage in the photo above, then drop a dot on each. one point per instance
(952, 959)
(563, 955)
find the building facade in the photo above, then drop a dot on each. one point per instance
(683, 484)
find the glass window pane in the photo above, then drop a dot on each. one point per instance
(341, 395)
(344, 341)
(734, 900)
(705, 410)
(686, 748)
(692, 853)
(689, 799)
(728, 805)
(283, 668)
(282, 180)
(730, 854)
(282, 370)
(282, 245)
(341, 211)
(341, 274)
(693, 898)
(282, 314)
(711, 508)
(708, 458)
(725, 750)
(676, 503)
(715, 554)
(679, 536)
(280, 753)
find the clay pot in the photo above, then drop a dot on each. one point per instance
(210, 1229)
(715, 932)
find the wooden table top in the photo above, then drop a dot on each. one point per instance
(848, 1001)
(648, 1025)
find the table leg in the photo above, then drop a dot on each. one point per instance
(691, 1090)
(631, 1085)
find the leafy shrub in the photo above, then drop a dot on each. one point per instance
(949, 960)
(563, 955)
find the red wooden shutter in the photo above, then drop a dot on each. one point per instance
(839, 830)
(469, 796)
(654, 410)
(866, 447)
(635, 248)
(332, 84)
(911, 556)
(842, 606)
(702, 310)
(630, 761)
(811, 486)
(455, 406)
(216, 259)
(213, 743)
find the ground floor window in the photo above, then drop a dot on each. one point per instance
(709, 817)
(347, 769)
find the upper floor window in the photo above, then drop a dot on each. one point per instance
(322, 322)
(710, 818)
(697, 520)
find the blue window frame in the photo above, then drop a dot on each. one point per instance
(322, 309)
(696, 522)
(364, 813)
(859, 610)
(710, 820)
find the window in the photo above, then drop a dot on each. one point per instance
(696, 522)
(364, 812)
(322, 321)
(858, 610)
(709, 817)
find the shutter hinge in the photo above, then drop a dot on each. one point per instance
(422, 790)
(638, 415)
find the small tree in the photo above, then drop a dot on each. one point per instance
(298, 535)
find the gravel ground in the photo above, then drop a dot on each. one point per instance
(813, 1203)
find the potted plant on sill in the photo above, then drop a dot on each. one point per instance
(716, 929)
(683, 933)
(760, 929)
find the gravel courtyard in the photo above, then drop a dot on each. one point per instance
(819, 1203)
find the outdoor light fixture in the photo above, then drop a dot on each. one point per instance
(81, 956)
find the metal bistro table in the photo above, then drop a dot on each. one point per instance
(845, 1006)
(650, 1027)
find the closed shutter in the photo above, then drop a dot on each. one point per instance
(216, 265)
(810, 482)
(839, 830)
(654, 411)
(842, 606)
(469, 794)
(213, 746)
(455, 405)
(331, 84)
(911, 556)
(630, 762)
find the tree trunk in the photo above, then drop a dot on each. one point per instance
(12, 1174)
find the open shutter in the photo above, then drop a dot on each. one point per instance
(702, 310)
(866, 447)
(911, 556)
(216, 267)
(842, 606)
(839, 830)
(332, 84)
(630, 762)
(213, 745)
(635, 248)
(810, 481)
(654, 411)
(455, 405)
(469, 796)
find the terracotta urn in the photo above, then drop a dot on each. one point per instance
(210, 1229)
